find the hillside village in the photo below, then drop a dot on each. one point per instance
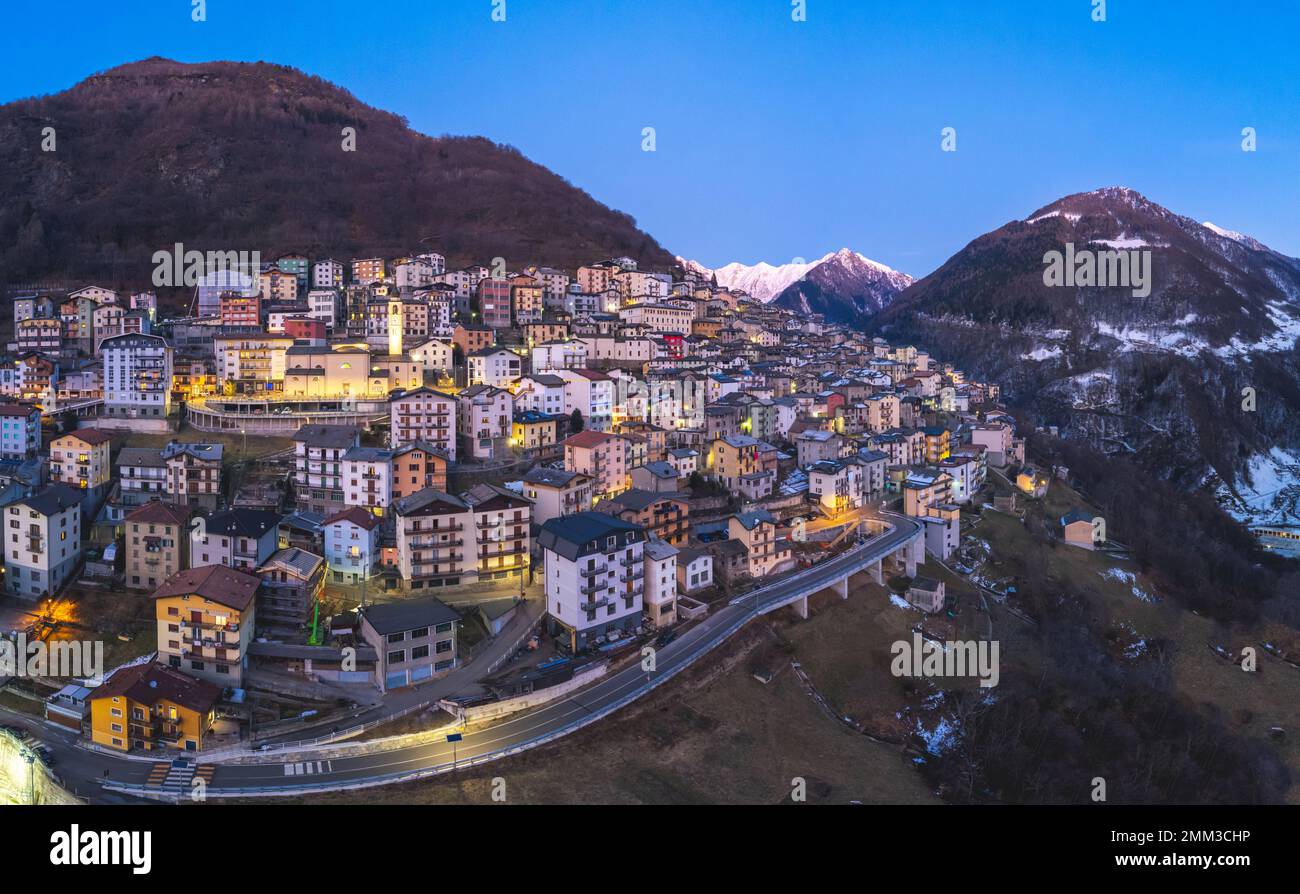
(332, 478)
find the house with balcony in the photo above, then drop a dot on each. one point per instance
(152, 707)
(594, 567)
(237, 538)
(426, 415)
(368, 478)
(436, 540)
(502, 519)
(193, 474)
(556, 492)
(416, 466)
(351, 545)
(157, 544)
(664, 515)
(80, 459)
(318, 466)
(206, 619)
(415, 639)
(485, 420)
(768, 552)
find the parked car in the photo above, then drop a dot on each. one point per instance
(665, 638)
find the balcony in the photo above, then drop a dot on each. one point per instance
(633, 575)
(593, 587)
(590, 572)
(593, 605)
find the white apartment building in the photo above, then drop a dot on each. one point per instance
(327, 274)
(324, 304)
(485, 418)
(539, 392)
(42, 542)
(660, 583)
(318, 466)
(368, 479)
(424, 415)
(594, 567)
(494, 366)
(137, 376)
(591, 393)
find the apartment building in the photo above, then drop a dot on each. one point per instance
(206, 618)
(368, 479)
(767, 552)
(152, 707)
(416, 640)
(43, 545)
(497, 367)
(591, 393)
(485, 420)
(327, 274)
(436, 540)
(661, 583)
(80, 459)
(20, 431)
(193, 473)
(137, 376)
(601, 456)
(238, 538)
(157, 541)
(251, 364)
(417, 466)
(501, 525)
(556, 492)
(426, 415)
(318, 466)
(594, 567)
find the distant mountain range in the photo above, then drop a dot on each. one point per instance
(249, 156)
(1158, 376)
(844, 286)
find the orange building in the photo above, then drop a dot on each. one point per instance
(151, 707)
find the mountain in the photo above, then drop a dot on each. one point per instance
(249, 156)
(1155, 370)
(761, 281)
(843, 285)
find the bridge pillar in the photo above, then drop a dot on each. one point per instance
(800, 607)
(911, 557)
(877, 572)
(842, 587)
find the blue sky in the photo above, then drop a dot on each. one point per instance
(778, 139)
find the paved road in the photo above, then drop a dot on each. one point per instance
(536, 726)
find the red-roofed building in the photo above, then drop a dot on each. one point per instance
(151, 707)
(206, 621)
(157, 544)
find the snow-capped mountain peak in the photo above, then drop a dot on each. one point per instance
(764, 281)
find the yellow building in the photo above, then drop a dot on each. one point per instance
(81, 459)
(151, 707)
(533, 433)
(205, 622)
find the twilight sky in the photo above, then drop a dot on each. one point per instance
(775, 138)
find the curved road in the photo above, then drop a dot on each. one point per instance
(516, 733)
